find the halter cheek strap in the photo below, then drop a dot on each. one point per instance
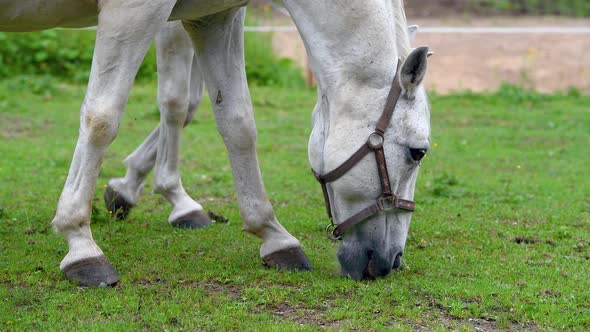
(387, 200)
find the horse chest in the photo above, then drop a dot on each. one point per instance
(30, 15)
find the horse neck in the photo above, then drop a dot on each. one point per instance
(353, 49)
(351, 42)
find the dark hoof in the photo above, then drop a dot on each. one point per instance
(291, 259)
(116, 204)
(92, 272)
(197, 219)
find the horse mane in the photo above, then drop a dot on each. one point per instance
(401, 29)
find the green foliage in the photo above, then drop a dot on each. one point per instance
(580, 8)
(44, 85)
(68, 54)
(264, 68)
(60, 53)
(518, 94)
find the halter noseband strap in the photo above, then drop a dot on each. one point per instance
(387, 200)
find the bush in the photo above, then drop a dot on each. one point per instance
(60, 53)
(68, 54)
(264, 68)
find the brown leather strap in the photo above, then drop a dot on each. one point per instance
(394, 94)
(325, 192)
(383, 175)
(344, 226)
(373, 209)
(403, 204)
(346, 166)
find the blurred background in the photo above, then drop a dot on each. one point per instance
(536, 44)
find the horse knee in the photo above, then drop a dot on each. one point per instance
(236, 126)
(240, 136)
(174, 108)
(102, 125)
(165, 183)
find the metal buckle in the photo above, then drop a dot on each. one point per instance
(375, 141)
(386, 203)
(330, 233)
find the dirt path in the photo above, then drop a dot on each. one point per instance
(481, 62)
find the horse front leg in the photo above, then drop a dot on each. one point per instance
(125, 30)
(219, 45)
(180, 89)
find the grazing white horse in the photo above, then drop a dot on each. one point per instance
(353, 48)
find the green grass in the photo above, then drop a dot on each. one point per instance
(575, 8)
(503, 166)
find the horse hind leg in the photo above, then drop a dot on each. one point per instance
(175, 55)
(123, 37)
(122, 194)
(175, 59)
(219, 44)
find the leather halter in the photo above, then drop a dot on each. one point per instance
(387, 200)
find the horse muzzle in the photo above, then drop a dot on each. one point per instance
(368, 263)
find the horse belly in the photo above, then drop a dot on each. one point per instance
(194, 9)
(31, 15)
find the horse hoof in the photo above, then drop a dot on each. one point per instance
(116, 204)
(196, 219)
(290, 259)
(92, 272)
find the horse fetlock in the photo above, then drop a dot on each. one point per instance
(128, 190)
(69, 219)
(257, 217)
(116, 203)
(62, 224)
(166, 185)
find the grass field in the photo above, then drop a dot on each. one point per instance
(501, 238)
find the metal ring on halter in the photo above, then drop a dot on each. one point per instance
(375, 140)
(386, 203)
(330, 233)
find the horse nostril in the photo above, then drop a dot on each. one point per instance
(417, 154)
(398, 260)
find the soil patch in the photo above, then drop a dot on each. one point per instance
(482, 62)
(14, 127)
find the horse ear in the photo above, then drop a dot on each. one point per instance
(413, 71)
(412, 31)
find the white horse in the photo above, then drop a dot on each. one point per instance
(353, 53)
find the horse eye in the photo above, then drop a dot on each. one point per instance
(417, 154)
